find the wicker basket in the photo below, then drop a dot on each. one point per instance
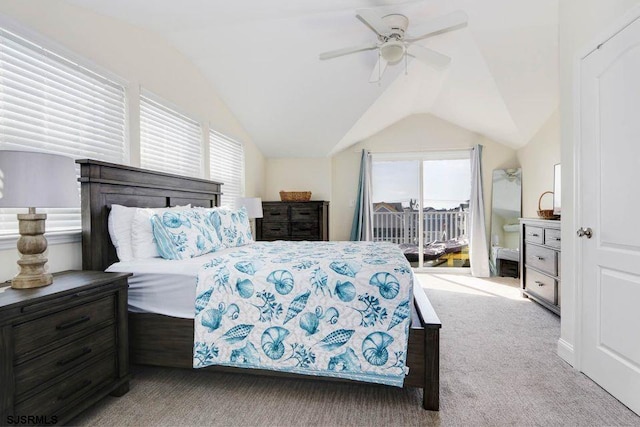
(295, 196)
(545, 213)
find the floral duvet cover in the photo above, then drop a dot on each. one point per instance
(338, 309)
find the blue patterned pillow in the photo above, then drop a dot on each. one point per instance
(232, 226)
(184, 234)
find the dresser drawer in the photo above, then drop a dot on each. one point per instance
(552, 237)
(543, 259)
(275, 230)
(305, 229)
(542, 286)
(37, 333)
(304, 213)
(49, 365)
(275, 213)
(533, 234)
(78, 386)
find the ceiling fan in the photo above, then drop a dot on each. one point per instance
(394, 44)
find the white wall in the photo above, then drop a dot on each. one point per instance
(537, 159)
(422, 132)
(140, 58)
(298, 174)
(580, 21)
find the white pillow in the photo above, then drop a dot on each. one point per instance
(142, 241)
(119, 223)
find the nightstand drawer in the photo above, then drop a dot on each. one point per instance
(541, 258)
(304, 213)
(36, 371)
(37, 333)
(542, 286)
(76, 387)
(533, 234)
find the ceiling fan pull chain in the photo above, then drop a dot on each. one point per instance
(379, 67)
(406, 63)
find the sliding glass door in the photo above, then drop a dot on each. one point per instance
(421, 203)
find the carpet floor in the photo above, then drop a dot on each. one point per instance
(498, 367)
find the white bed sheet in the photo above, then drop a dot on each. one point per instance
(163, 286)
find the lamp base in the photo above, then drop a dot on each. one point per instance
(31, 246)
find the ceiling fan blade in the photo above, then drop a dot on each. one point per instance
(442, 24)
(347, 51)
(429, 56)
(374, 21)
(378, 70)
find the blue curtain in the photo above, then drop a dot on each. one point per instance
(362, 226)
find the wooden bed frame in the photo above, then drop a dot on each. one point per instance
(104, 184)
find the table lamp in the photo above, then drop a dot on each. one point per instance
(253, 206)
(35, 180)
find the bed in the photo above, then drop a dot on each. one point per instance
(104, 184)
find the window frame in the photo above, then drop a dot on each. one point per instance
(55, 49)
(241, 183)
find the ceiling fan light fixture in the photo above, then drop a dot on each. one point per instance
(392, 51)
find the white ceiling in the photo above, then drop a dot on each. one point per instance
(262, 57)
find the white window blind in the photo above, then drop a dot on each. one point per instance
(52, 104)
(227, 166)
(169, 141)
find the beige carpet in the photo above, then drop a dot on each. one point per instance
(498, 367)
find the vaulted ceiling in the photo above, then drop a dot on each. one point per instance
(262, 58)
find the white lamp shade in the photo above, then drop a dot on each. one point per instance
(252, 204)
(37, 180)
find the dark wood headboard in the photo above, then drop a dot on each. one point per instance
(104, 184)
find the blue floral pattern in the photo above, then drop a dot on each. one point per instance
(183, 234)
(232, 226)
(338, 309)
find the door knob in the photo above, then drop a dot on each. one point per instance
(586, 232)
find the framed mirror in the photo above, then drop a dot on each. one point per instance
(506, 209)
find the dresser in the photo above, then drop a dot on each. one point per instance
(62, 347)
(540, 275)
(293, 221)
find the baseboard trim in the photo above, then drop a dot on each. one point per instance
(566, 353)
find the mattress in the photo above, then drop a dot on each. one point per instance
(163, 286)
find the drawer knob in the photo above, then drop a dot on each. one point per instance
(539, 258)
(71, 323)
(83, 384)
(274, 213)
(539, 283)
(534, 234)
(304, 213)
(68, 360)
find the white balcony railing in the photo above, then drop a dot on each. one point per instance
(402, 227)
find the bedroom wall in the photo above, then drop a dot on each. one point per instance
(298, 174)
(140, 58)
(421, 132)
(580, 21)
(537, 160)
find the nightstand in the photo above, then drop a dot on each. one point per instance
(63, 347)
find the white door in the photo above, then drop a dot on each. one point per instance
(610, 194)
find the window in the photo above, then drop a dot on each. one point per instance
(421, 201)
(169, 141)
(51, 104)
(227, 166)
